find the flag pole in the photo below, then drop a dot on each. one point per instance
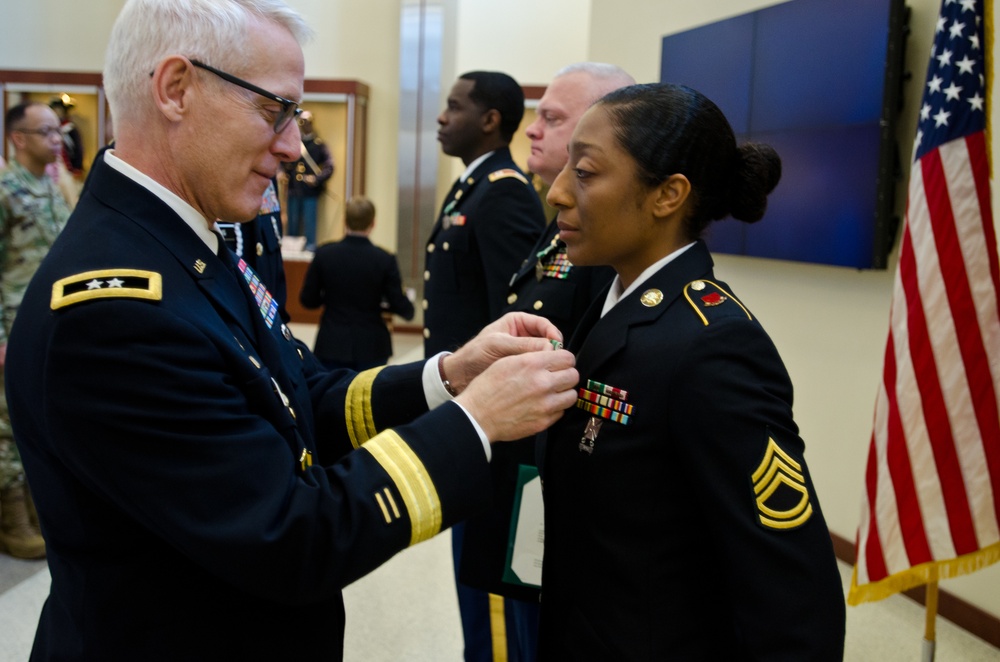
(930, 616)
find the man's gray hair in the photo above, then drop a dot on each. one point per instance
(611, 75)
(213, 31)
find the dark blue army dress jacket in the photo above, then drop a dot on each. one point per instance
(191, 463)
(488, 224)
(680, 518)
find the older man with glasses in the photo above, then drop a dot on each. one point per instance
(205, 488)
(32, 213)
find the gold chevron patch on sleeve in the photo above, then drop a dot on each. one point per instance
(780, 490)
(412, 481)
(106, 284)
(358, 407)
(505, 173)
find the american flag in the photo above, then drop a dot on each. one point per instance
(931, 506)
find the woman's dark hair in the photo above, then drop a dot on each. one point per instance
(673, 129)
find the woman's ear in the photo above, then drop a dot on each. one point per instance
(671, 195)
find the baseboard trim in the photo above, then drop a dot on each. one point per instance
(965, 615)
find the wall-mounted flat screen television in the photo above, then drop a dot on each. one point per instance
(821, 82)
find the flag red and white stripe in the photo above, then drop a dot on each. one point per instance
(931, 506)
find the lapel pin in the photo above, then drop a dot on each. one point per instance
(651, 298)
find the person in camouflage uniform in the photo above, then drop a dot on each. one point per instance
(32, 213)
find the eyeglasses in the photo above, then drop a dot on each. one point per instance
(289, 109)
(45, 132)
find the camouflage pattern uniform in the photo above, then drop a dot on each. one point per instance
(32, 213)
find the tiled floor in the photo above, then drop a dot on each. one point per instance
(406, 611)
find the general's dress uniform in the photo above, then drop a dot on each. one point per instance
(191, 461)
(680, 518)
(258, 243)
(488, 223)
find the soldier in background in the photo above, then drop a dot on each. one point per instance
(307, 179)
(32, 213)
(72, 150)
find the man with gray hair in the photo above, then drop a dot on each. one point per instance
(204, 487)
(547, 285)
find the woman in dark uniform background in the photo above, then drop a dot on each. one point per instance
(681, 519)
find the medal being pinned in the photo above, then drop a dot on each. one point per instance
(604, 402)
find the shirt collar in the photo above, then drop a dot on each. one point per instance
(201, 226)
(615, 294)
(475, 164)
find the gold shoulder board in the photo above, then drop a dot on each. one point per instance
(507, 172)
(107, 284)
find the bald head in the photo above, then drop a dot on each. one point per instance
(571, 92)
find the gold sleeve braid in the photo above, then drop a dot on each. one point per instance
(407, 472)
(358, 407)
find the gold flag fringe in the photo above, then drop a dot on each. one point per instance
(921, 574)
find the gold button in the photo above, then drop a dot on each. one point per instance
(427, 275)
(430, 248)
(512, 298)
(445, 246)
(698, 285)
(538, 305)
(424, 304)
(260, 249)
(427, 333)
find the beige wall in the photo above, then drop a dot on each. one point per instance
(829, 323)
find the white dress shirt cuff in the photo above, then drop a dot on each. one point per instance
(437, 395)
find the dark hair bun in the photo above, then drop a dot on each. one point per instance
(758, 170)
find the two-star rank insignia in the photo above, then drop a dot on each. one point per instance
(780, 492)
(107, 284)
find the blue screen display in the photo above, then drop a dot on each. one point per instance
(808, 77)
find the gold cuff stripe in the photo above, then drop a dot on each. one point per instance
(381, 505)
(152, 288)
(407, 472)
(704, 320)
(358, 407)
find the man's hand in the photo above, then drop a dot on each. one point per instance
(519, 396)
(514, 333)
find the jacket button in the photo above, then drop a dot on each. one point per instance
(538, 305)
(512, 298)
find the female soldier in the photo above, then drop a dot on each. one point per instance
(681, 520)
